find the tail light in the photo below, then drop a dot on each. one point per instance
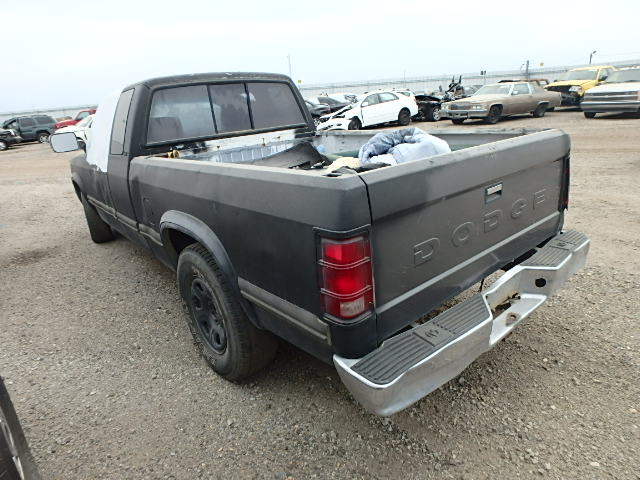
(346, 281)
(565, 186)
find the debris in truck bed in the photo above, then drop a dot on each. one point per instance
(400, 146)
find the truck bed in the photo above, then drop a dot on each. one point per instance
(434, 227)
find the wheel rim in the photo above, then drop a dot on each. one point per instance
(207, 315)
(3, 146)
(436, 114)
(404, 117)
(43, 138)
(6, 433)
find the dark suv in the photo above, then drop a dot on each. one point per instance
(32, 127)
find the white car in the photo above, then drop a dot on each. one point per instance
(620, 92)
(82, 129)
(374, 108)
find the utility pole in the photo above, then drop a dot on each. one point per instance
(591, 56)
(526, 70)
(289, 60)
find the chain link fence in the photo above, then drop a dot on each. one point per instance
(431, 83)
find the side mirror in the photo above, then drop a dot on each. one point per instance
(64, 142)
(603, 78)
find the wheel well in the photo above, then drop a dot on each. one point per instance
(179, 240)
(42, 131)
(496, 105)
(543, 103)
(404, 109)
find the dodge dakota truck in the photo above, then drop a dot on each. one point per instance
(221, 177)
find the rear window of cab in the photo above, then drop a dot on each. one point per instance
(203, 111)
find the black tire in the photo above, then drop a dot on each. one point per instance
(16, 461)
(354, 124)
(99, 230)
(494, 115)
(82, 145)
(404, 117)
(3, 145)
(589, 114)
(224, 336)
(433, 113)
(458, 121)
(540, 111)
(43, 137)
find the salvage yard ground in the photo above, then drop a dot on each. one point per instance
(101, 367)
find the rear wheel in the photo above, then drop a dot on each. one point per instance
(3, 145)
(43, 137)
(458, 121)
(354, 124)
(589, 114)
(99, 230)
(404, 117)
(223, 334)
(494, 115)
(540, 111)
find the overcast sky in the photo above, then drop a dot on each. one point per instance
(67, 53)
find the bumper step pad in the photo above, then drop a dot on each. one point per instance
(402, 351)
(414, 363)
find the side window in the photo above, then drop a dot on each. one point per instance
(371, 100)
(387, 97)
(44, 120)
(180, 113)
(274, 105)
(82, 115)
(120, 123)
(521, 89)
(230, 108)
(27, 122)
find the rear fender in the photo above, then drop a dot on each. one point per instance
(199, 231)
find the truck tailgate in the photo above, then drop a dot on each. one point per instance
(440, 225)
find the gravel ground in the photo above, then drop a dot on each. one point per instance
(101, 367)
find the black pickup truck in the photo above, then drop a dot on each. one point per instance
(221, 177)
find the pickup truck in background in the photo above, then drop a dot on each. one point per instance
(220, 176)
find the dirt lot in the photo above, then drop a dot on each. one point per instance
(101, 366)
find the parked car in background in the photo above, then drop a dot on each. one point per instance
(81, 115)
(82, 129)
(619, 93)
(374, 108)
(333, 103)
(504, 99)
(16, 459)
(317, 110)
(541, 82)
(32, 127)
(8, 138)
(574, 83)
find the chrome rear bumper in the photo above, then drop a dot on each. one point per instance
(413, 363)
